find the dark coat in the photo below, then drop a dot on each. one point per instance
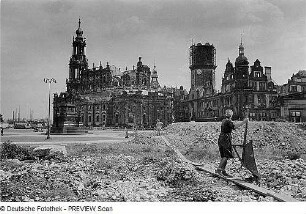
(225, 137)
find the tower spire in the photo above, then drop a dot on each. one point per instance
(241, 48)
(79, 31)
(240, 38)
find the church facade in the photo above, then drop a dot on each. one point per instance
(105, 96)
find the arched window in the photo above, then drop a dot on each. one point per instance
(117, 118)
(103, 118)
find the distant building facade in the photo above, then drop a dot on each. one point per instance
(297, 83)
(105, 96)
(293, 107)
(243, 87)
(293, 98)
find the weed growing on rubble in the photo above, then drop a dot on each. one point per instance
(129, 149)
(276, 153)
(9, 150)
(302, 126)
(270, 152)
(202, 152)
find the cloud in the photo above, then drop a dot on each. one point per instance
(129, 27)
(292, 10)
(57, 6)
(204, 15)
(36, 37)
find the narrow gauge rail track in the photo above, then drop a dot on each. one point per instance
(236, 181)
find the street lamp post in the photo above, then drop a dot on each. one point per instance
(141, 117)
(47, 80)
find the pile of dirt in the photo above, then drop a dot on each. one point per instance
(286, 139)
(145, 169)
(109, 176)
(278, 151)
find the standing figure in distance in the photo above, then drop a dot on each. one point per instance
(225, 140)
(159, 126)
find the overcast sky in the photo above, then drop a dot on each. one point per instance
(36, 40)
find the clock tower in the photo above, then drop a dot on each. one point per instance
(202, 65)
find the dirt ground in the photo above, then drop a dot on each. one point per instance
(145, 169)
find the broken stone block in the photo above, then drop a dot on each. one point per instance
(303, 156)
(4, 175)
(50, 151)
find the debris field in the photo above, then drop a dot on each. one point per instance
(145, 169)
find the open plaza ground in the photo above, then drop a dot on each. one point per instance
(28, 136)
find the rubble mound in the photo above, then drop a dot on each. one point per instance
(278, 147)
(287, 140)
(145, 169)
(175, 173)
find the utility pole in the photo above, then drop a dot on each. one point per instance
(46, 80)
(141, 118)
(19, 115)
(165, 123)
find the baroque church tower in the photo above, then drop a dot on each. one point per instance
(78, 61)
(241, 69)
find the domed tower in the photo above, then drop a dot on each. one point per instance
(241, 97)
(241, 69)
(78, 61)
